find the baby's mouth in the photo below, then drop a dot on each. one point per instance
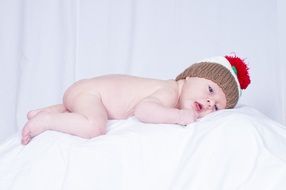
(198, 106)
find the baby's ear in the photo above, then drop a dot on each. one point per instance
(187, 78)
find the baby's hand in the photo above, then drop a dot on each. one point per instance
(187, 116)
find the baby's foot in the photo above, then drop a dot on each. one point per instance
(34, 127)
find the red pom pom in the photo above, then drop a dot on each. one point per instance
(242, 70)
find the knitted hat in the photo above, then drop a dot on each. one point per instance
(230, 73)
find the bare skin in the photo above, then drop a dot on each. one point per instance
(89, 103)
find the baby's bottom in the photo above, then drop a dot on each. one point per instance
(85, 117)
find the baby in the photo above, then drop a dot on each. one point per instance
(210, 85)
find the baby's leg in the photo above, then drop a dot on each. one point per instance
(87, 119)
(59, 108)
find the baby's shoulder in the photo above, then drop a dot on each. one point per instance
(167, 93)
(172, 86)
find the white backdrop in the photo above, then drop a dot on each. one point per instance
(45, 45)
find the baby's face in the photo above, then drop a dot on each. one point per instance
(202, 95)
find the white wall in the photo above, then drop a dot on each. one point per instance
(281, 30)
(10, 24)
(47, 45)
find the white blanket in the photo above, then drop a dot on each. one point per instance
(238, 149)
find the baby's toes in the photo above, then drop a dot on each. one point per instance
(26, 136)
(26, 140)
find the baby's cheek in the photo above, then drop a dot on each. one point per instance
(188, 104)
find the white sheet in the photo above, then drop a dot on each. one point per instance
(237, 149)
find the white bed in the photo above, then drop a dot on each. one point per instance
(238, 149)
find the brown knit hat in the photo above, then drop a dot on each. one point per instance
(229, 76)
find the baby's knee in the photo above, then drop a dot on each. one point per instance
(94, 132)
(96, 129)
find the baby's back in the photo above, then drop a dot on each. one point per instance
(120, 93)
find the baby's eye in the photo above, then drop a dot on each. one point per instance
(216, 108)
(211, 90)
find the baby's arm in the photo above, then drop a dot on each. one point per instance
(159, 108)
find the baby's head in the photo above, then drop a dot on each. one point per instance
(230, 73)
